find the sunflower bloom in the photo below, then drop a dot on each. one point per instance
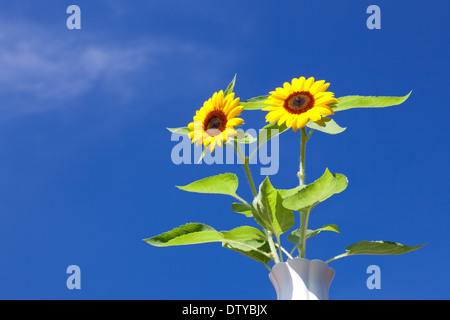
(214, 123)
(298, 102)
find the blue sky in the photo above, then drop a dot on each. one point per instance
(86, 172)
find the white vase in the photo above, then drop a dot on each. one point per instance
(301, 279)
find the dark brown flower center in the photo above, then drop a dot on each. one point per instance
(299, 102)
(215, 122)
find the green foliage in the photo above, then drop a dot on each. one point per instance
(226, 183)
(376, 248)
(316, 192)
(191, 233)
(242, 208)
(294, 236)
(180, 130)
(256, 103)
(271, 208)
(268, 210)
(230, 87)
(326, 125)
(242, 137)
(351, 102)
(285, 193)
(246, 240)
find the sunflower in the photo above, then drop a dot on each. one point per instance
(298, 102)
(214, 123)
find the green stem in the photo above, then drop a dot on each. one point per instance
(289, 255)
(273, 250)
(304, 227)
(309, 134)
(240, 199)
(337, 257)
(249, 177)
(245, 161)
(301, 172)
(279, 248)
(304, 215)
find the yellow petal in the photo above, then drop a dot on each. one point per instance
(212, 145)
(283, 119)
(276, 113)
(314, 115)
(287, 88)
(234, 112)
(296, 84)
(301, 83)
(230, 96)
(324, 110)
(316, 86)
(234, 122)
(198, 134)
(278, 94)
(308, 84)
(324, 87)
(230, 131)
(294, 124)
(290, 120)
(219, 100)
(224, 136)
(231, 105)
(302, 120)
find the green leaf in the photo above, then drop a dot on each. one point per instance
(342, 182)
(230, 87)
(379, 248)
(242, 137)
(327, 227)
(350, 102)
(294, 237)
(316, 192)
(181, 130)
(242, 208)
(191, 233)
(246, 233)
(326, 125)
(255, 253)
(246, 240)
(256, 103)
(285, 193)
(376, 248)
(225, 183)
(268, 210)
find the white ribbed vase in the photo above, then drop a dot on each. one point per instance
(301, 279)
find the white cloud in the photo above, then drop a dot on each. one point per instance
(37, 66)
(41, 69)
